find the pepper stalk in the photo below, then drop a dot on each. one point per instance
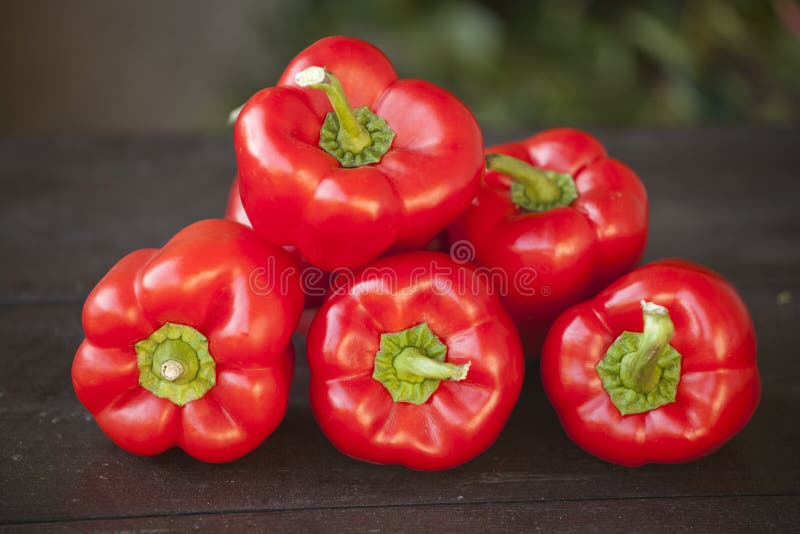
(641, 370)
(355, 137)
(410, 364)
(174, 364)
(533, 189)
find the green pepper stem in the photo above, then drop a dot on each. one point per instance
(642, 373)
(532, 188)
(533, 178)
(414, 366)
(411, 364)
(352, 136)
(174, 363)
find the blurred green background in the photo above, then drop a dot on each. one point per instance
(181, 65)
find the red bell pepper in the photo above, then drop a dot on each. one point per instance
(314, 280)
(189, 345)
(558, 218)
(348, 161)
(659, 367)
(414, 362)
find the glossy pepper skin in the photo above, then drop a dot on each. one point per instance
(201, 286)
(554, 258)
(718, 388)
(315, 281)
(462, 416)
(296, 193)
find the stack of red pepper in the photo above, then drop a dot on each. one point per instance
(415, 358)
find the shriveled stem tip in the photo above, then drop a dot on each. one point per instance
(172, 370)
(653, 308)
(311, 76)
(234, 114)
(464, 370)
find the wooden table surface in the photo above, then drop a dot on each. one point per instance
(73, 205)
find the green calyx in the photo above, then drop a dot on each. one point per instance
(641, 371)
(534, 189)
(174, 364)
(354, 137)
(410, 364)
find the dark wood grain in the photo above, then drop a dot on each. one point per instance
(73, 206)
(62, 467)
(703, 514)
